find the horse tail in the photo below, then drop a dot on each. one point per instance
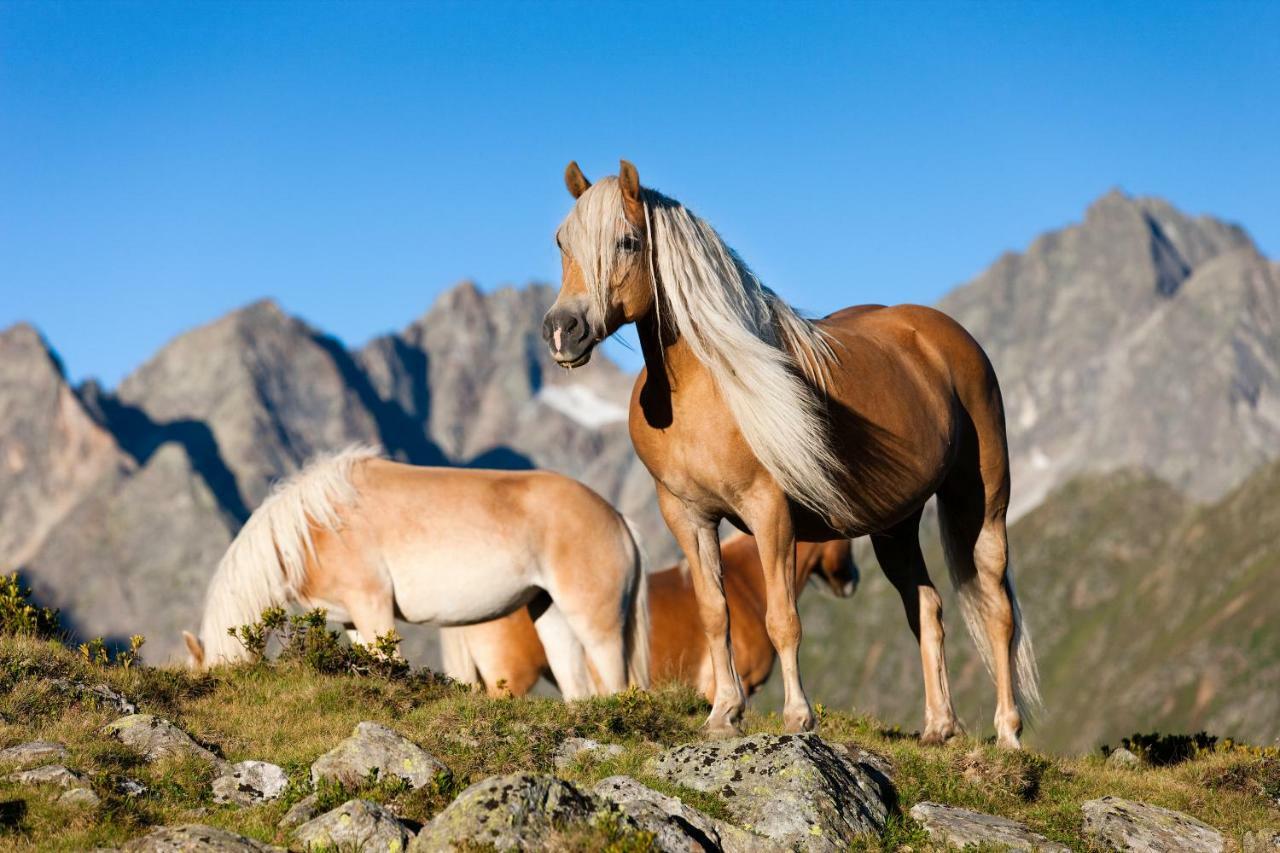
(637, 627)
(459, 664)
(266, 564)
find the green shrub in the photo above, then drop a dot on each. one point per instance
(306, 639)
(20, 617)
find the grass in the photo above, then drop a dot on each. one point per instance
(288, 714)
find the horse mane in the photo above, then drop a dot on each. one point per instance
(769, 363)
(266, 564)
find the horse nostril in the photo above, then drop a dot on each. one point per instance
(570, 323)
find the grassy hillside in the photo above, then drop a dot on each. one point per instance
(290, 714)
(1147, 613)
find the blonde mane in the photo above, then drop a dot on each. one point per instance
(267, 562)
(769, 363)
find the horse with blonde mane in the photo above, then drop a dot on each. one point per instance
(795, 429)
(506, 656)
(370, 540)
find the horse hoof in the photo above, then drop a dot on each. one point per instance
(800, 725)
(937, 737)
(721, 731)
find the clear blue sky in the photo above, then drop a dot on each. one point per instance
(163, 163)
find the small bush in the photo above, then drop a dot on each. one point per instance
(305, 639)
(20, 617)
(97, 653)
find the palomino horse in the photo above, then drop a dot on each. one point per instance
(506, 656)
(369, 540)
(798, 430)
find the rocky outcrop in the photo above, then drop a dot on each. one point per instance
(515, 812)
(1260, 842)
(572, 749)
(249, 782)
(155, 738)
(1125, 825)
(49, 774)
(355, 825)
(962, 828)
(797, 790)
(374, 748)
(676, 826)
(196, 838)
(32, 754)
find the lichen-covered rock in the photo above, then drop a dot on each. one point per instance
(355, 825)
(1123, 759)
(371, 747)
(1126, 825)
(196, 838)
(676, 826)
(962, 828)
(300, 812)
(79, 798)
(32, 754)
(798, 790)
(99, 694)
(50, 774)
(155, 738)
(249, 782)
(514, 812)
(571, 748)
(1261, 842)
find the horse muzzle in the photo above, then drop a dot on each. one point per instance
(568, 334)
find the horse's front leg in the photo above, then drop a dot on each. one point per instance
(771, 523)
(697, 537)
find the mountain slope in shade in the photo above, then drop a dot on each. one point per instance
(1139, 338)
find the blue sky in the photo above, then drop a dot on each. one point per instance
(163, 163)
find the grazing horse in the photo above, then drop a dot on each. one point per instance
(369, 540)
(796, 429)
(506, 656)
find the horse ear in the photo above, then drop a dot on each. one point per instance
(575, 180)
(194, 648)
(629, 183)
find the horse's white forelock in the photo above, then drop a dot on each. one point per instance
(769, 363)
(266, 563)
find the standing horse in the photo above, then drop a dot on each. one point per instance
(506, 656)
(798, 430)
(369, 540)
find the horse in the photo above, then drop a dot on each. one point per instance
(798, 429)
(370, 540)
(506, 657)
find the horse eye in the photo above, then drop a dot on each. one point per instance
(629, 243)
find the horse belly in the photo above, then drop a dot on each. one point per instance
(444, 586)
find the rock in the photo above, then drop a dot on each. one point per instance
(798, 790)
(301, 812)
(50, 774)
(99, 693)
(249, 782)
(1126, 825)
(1124, 759)
(517, 811)
(131, 787)
(962, 828)
(1261, 842)
(32, 754)
(375, 747)
(676, 826)
(155, 738)
(355, 825)
(195, 838)
(571, 748)
(79, 798)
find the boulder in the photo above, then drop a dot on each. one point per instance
(1125, 825)
(676, 826)
(355, 825)
(514, 812)
(1124, 759)
(300, 812)
(196, 838)
(1261, 842)
(50, 774)
(99, 694)
(797, 790)
(155, 738)
(572, 748)
(371, 747)
(79, 798)
(32, 754)
(249, 782)
(961, 828)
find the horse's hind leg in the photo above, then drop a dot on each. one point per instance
(565, 654)
(898, 550)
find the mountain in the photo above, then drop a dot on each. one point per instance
(1139, 338)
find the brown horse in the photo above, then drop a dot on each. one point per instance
(795, 429)
(506, 656)
(368, 540)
